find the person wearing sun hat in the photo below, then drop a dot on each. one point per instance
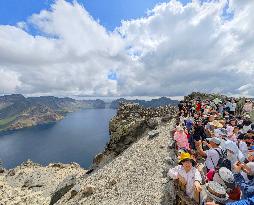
(247, 187)
(233, 152)
(226, 178)
(214, 193)
(212, 155)
(187, 174)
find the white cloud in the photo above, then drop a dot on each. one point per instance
(192, 47)
(173, 50)
(72, 55)
(8, 81)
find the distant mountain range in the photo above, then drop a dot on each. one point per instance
(17, 111)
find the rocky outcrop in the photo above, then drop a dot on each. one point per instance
(152, 123)
(63, 188)
(131, 121)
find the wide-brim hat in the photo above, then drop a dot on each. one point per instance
(229, 145)
(217, 124)
(227, 176)
(251, 166)
(185, 156)
(214, 189)
(215, 140)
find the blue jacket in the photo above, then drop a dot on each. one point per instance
(248, 201)
(246, 188)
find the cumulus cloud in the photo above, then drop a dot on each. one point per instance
(193, 48)
(174, 50)
(72, 54)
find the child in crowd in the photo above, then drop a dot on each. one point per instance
(187, 174)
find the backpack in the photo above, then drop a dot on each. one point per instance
(223, 161)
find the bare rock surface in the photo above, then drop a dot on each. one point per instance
(31, 183)
(137, 176)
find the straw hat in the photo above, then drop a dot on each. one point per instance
(216, 191)
(227, 176)
(217, 124)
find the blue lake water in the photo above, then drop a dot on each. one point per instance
(76, 138)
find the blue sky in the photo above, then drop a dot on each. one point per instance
(109, 12)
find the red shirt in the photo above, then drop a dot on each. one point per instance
(198, 106)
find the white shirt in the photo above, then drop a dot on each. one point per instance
(246, 128)
(243, 148)
(190, 177)
(232, 107)
(228, 104)
(212, 158)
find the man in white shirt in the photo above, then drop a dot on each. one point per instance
(212, 154)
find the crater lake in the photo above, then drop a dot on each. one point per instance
(77, 138)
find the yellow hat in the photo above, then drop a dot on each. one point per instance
(217, 124)
(185, 156)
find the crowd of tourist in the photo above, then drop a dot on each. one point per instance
(215, 147)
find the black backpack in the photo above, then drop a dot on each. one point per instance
(223, 161)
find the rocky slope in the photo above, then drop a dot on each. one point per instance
(137, 176)
(32, 184)
(131, 170)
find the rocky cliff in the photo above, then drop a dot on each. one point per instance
(131, 170)
(131, 121)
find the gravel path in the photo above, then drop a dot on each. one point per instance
(137, 176)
